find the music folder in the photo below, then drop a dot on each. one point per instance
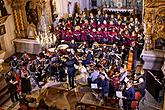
(94, 86)
(119, 94)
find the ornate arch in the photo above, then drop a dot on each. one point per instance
(159, 24)
(155, 21)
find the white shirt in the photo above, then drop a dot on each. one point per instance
(94, 75)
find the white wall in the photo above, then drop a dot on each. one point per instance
(62, 6)
(84, 4)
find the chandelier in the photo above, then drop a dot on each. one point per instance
(45, 37)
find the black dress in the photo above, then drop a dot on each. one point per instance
(25, 83)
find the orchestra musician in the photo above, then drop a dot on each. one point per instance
(99, 16)
(123, 53)
(71, 71)
(14, 64)
(129, 96)
(25, 81)
(12, 86)
(134, 50)
(73, 45)
(110, 30)
(105, 88)
(113, 51)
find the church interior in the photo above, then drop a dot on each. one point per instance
(82, 54)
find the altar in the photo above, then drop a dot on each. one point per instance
(119, 9)
(27, 45)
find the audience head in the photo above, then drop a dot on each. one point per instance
(77, 15)
(102, 76)
(14, 58)
(104, 22)
(118, 16)
(94, 30)
(99, 29)
(104, 45)
(136, 19)
(133, 43)
(125, 18)
(112, 16)
(114, 46)
(91, 14)
(119, 22)
(72, 41)
(92, 21)
(98, 22)
(111, 22)
(128, 84)
(131, 19)
(99, 12)
(122, 47)
(106, 15)
(70, 15)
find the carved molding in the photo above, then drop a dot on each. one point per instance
(154, 19)
(4, 18)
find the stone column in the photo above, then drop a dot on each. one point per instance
(20, 19)
(39, 9)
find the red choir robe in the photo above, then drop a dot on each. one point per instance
(127, 37)
(111, 26)
(58, 34)
(92, 36)
(99, 25)
(133, 37)
(69, 36)
(77, 35)
(93, 25)
(63, 34)
(103, 26)
(119, 27)
(69, 24)
(106, 36)
(83, 35)
(99, 36)
(113, 34)
(125, 41)
(81, 24)
(85, 25)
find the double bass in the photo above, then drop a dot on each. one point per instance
(130, 61)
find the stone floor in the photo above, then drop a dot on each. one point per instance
(149, 103)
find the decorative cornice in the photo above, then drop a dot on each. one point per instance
(4, 18)
(18, 3)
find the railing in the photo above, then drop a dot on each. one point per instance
(84, 106)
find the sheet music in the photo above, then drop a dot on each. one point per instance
(126, 80)
(94, 86)
(119, 94)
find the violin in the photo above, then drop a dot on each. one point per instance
(104, 62)
(112, 71)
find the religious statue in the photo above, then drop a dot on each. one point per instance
(76, 8)
(160, 25)
(31, 13)
(31, 31)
